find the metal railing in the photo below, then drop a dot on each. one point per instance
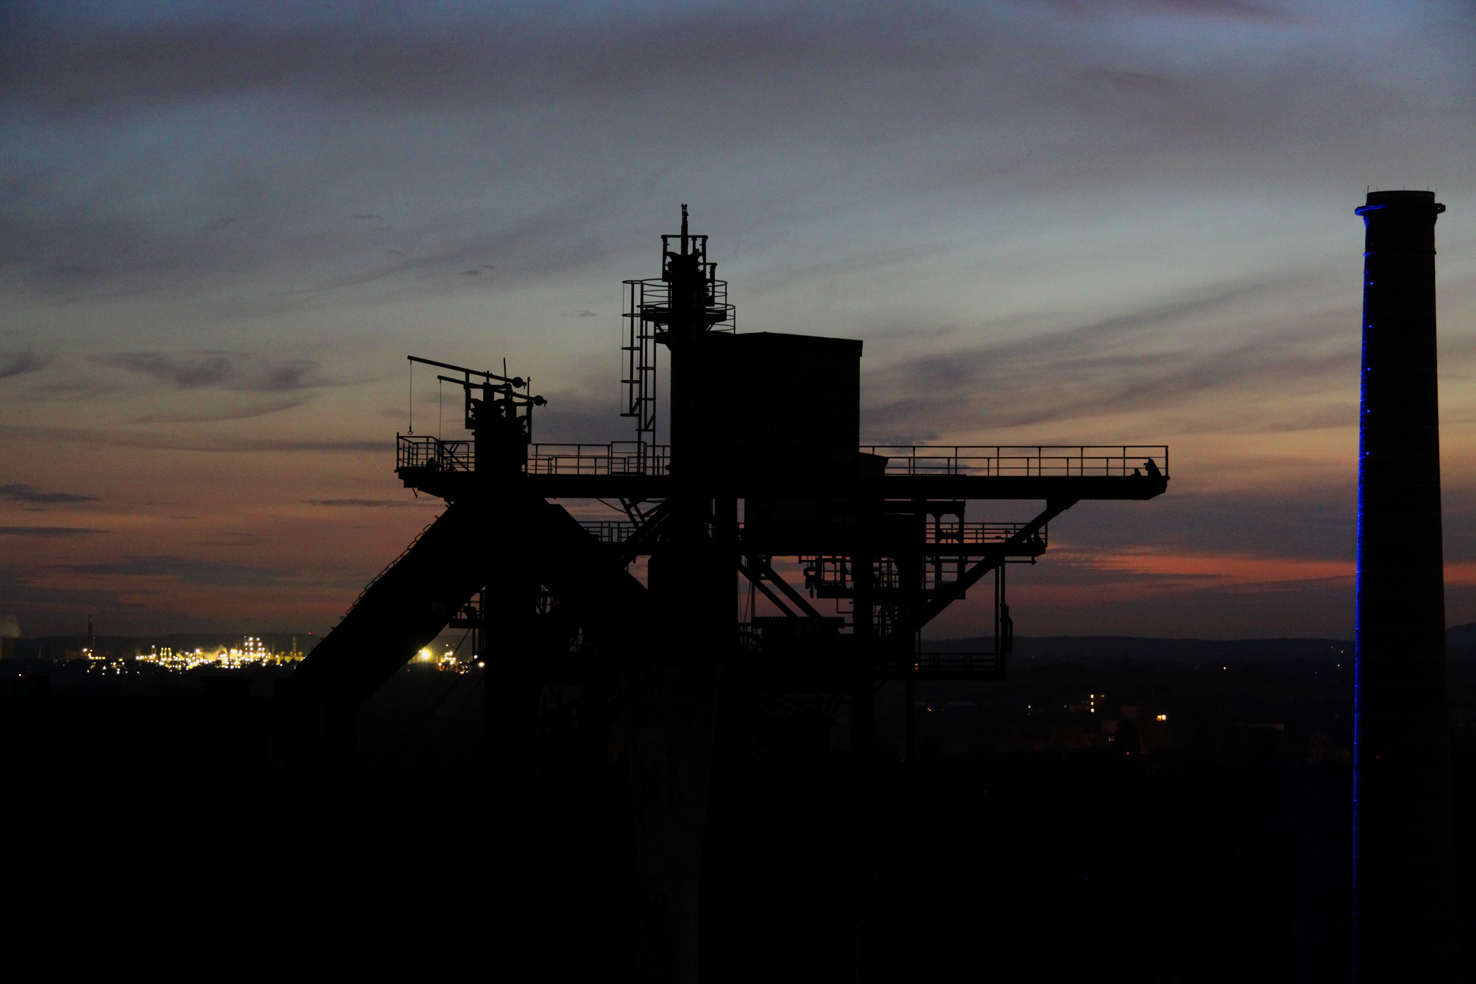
(609, 530)
(1031, 462)
(650, 300)
(387, 568)
(630, 458)
(976, 534)
(937, 534)
(417, 451)
(835, 576)
(615, 458)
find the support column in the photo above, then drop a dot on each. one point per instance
(864, 750)
(674, 706)
(909, 831)
(672, 691)
(504, 646)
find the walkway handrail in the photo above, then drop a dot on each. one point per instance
(998, 460)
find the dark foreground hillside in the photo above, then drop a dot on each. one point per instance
(1062, 831)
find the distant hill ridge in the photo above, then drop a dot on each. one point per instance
(1460, 644)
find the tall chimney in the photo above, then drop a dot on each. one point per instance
(1403, 892)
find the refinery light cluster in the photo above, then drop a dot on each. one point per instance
(252, 652)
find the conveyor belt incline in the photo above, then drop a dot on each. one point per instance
(409, 605)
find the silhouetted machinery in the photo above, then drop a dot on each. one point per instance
(592, 671)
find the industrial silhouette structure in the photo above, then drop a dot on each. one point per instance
(1404, 901)
(593, 673)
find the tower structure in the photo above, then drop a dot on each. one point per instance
(1404, 913)
(598, 680)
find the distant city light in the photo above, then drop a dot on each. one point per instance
(1163, 717)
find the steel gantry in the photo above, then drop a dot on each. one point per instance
(606, 688)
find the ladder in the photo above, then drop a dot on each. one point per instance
(638, 356)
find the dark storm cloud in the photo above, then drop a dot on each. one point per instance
(46, 531)
(185, 570)
(29, 493)
(1154, 358)
(21, 361)
(220, 370)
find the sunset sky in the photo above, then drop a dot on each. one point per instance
(223, 226)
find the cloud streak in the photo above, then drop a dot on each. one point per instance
(29, 493)
(185, 570)
(502, 55)
(198, 442)
(19, 362)
(1161, 357)
(220, 370)
(47, 532)
(508, 118)
(258, 408)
